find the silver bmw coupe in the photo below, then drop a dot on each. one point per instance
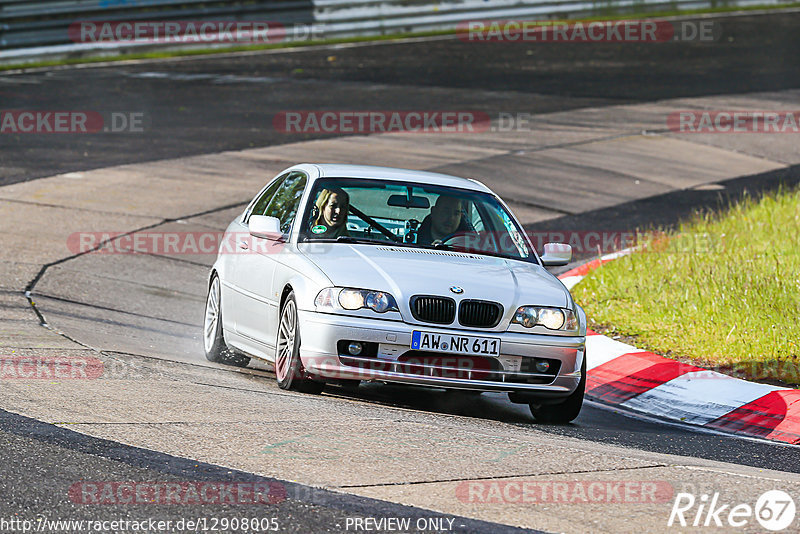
(340, 273)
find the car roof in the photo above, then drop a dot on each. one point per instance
(330, 170)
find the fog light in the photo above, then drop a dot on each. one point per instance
(542, 366)
(355, 348)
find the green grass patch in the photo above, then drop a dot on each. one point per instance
(720, 291)
(603, 14)
(205, 51)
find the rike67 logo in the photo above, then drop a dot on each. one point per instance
(774, 510)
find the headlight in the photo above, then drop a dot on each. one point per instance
(527, 316)
(355, 299)
(379, 301)
(550, 318)
(351, 299)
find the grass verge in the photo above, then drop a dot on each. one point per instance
(165, 54)
(721, 291)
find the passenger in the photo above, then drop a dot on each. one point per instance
(331, 213)
(446, 218)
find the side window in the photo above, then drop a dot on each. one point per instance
(261, 204)
(287, 199)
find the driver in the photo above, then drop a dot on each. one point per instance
(446, 218)
(331, 213)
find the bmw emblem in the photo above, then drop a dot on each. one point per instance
(457, 290)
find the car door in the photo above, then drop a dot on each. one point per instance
(236, 304)
(257, 318)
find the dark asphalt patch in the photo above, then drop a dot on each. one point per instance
(42, 461)
(215, 104)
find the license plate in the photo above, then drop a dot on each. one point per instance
(451, 344)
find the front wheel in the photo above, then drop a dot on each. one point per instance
(565, 411)
(213, 339)
(288, 367)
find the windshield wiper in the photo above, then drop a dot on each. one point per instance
(351, 239)
(445, 246)
(348, 239)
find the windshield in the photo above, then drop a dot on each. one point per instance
(412, 215)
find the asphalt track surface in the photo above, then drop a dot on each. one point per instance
(39, 483)
(213, 104)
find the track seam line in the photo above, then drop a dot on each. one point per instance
(106, 308)
(59, 206)
(254, 422)
(59, 349)
(32, 284)
(170, 258)
(556, 473)
(27, 292)
(141, 284)
(237, 371)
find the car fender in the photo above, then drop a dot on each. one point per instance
(295, 270)
(581, 320)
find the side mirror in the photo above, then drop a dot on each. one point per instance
(265, 227)
(556, 254)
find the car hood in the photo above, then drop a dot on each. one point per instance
(412, 271)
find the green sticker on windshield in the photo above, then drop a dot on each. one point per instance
(319, 229)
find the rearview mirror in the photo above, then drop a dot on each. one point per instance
(265, 227)
(402, 201)
(556, 254)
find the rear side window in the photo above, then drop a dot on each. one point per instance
(285, 202)
(263, 201)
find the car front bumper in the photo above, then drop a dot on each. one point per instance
(320, 333)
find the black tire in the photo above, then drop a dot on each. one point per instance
(213, 338)
(564, 411)
(289, 370)
(464, 392)
(350, 385)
